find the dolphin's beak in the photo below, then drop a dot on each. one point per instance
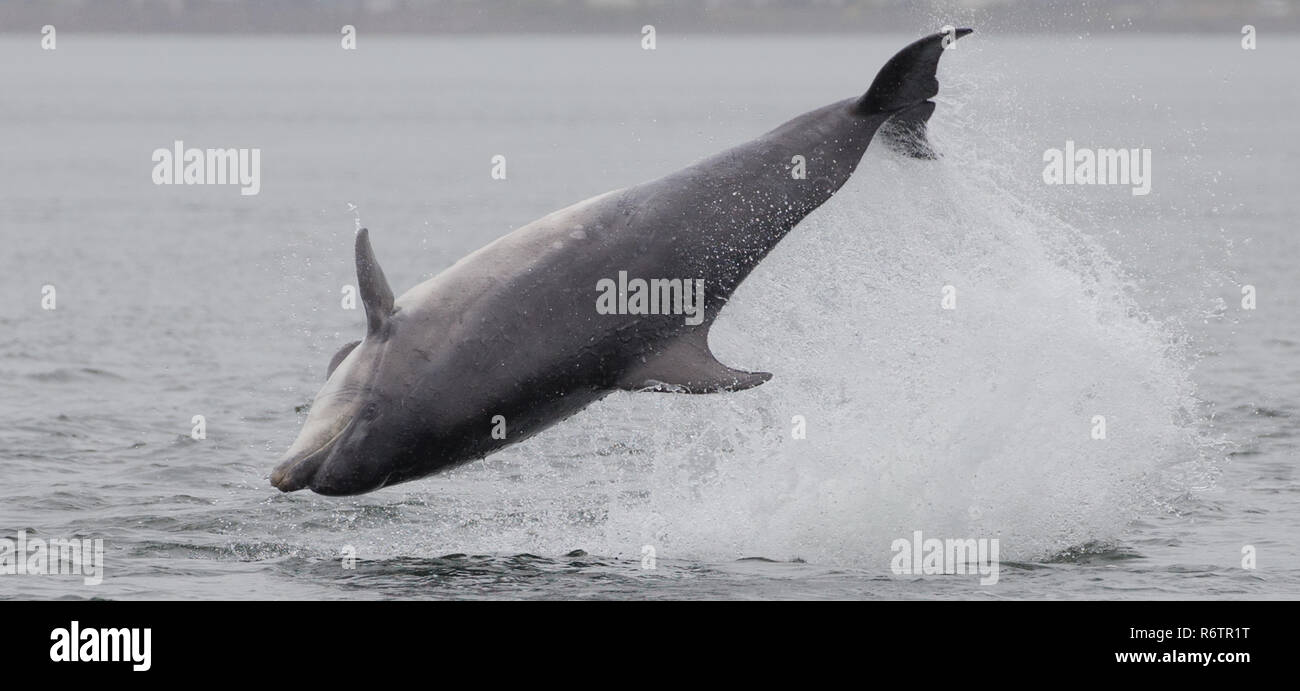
(296, 470)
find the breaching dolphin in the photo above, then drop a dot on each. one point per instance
(593, 298)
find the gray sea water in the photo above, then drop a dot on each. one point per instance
(1072, 302)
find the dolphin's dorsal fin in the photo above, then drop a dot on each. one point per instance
(339, 357)
(375, 293)
(685, 365)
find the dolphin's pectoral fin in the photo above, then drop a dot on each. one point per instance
(687, 366)
(339, 357)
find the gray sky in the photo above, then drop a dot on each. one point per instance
(608, 16)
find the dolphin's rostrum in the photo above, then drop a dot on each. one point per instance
(512, 330)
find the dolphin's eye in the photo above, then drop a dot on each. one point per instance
(371, 411)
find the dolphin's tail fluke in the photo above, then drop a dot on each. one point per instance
(903, 88)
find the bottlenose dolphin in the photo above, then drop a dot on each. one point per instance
(601, 296)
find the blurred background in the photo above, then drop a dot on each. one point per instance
(175, 301)
(582, 16)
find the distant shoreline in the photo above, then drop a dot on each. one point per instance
(1132, 34)
(745, 17)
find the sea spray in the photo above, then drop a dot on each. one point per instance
(949, 341)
